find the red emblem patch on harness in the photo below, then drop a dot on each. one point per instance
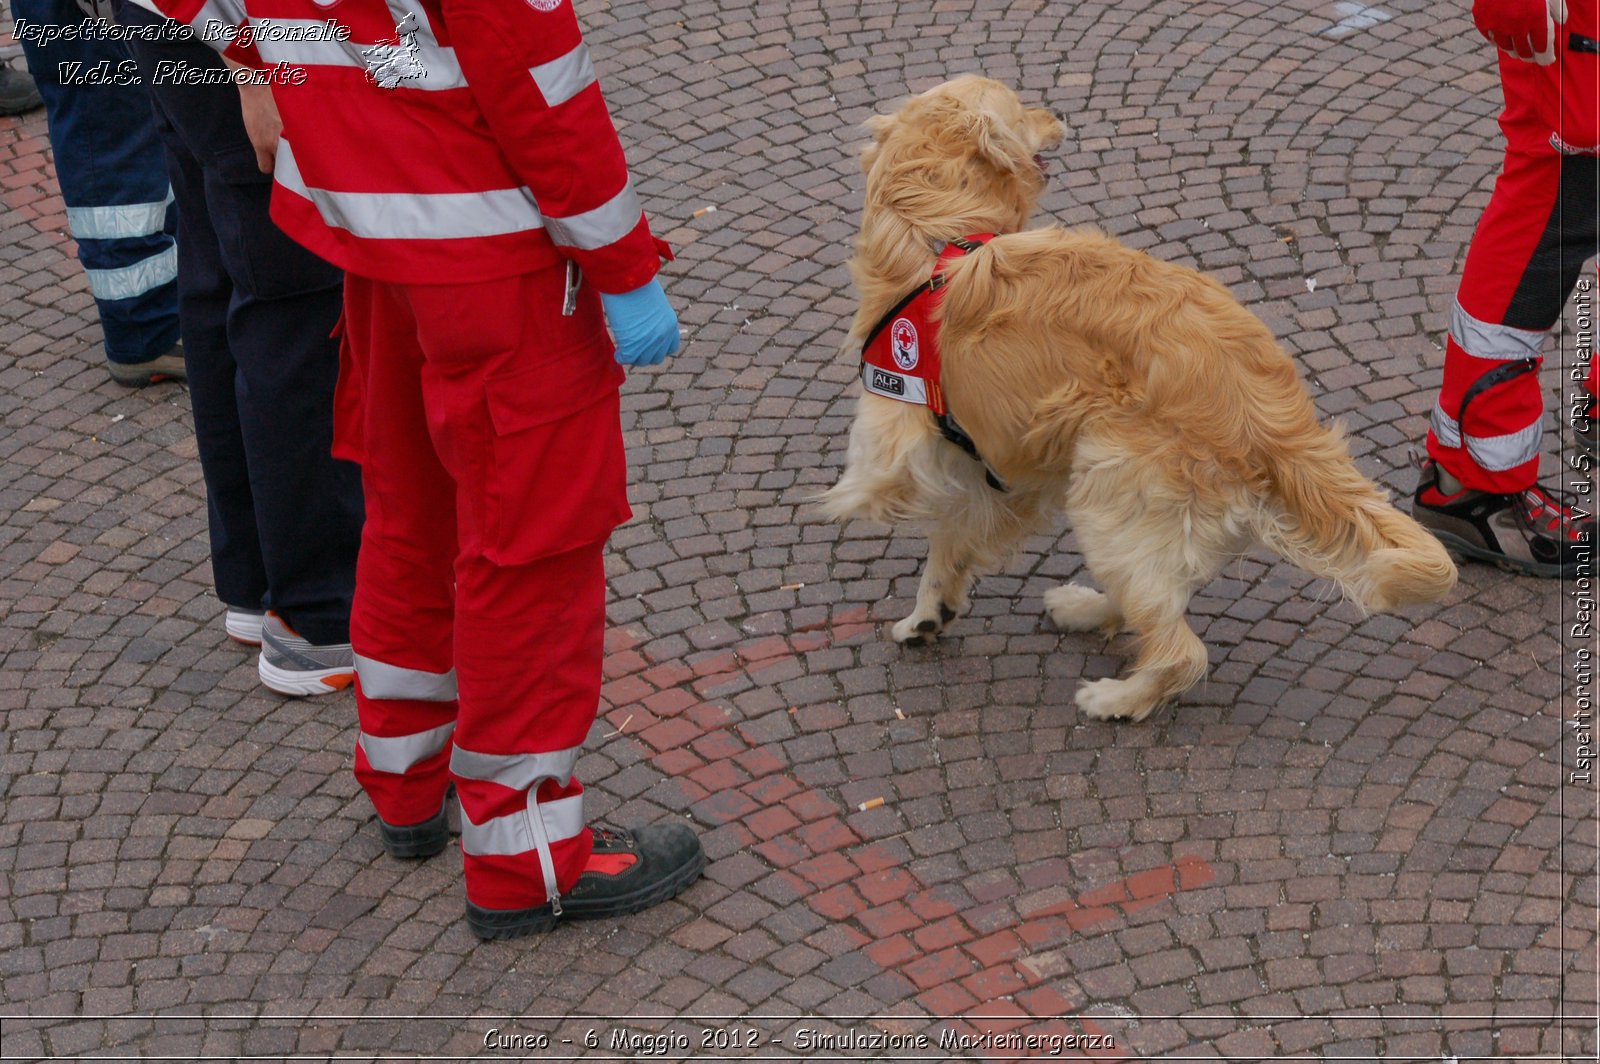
(903, 343)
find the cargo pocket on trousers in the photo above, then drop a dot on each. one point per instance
(348, 438)
(1571, 92)
(559, 479)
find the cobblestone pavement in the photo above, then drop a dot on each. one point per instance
(1353, 840)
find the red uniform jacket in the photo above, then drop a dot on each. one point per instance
(430, 141)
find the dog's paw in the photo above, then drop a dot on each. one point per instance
(1113, 700)
(1075, 608)
(921, 626)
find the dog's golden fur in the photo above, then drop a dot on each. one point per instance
(1136, 395)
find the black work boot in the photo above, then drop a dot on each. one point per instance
(407, 841)
(628, 871)
(1536, 531)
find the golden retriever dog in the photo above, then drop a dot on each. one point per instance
(1135, 395)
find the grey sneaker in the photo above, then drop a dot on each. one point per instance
(18, 92)
(167, 367)
(291, 665)
(244, 626)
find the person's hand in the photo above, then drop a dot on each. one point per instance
(643, 325)
(1522, 28)
(261, 122)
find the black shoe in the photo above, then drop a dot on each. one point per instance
(417, 840)
(628, 871)
(18, 92)
(1534, 531)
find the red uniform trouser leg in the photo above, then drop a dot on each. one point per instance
(1524, 261)
(489, 426)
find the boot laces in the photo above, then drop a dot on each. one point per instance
(1549, 513)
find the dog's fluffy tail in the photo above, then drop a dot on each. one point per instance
(1337, 524)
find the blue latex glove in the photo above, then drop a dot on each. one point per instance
(643, 325)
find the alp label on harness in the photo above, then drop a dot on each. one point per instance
(882, 382)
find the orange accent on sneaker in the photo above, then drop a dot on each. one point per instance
(341, 681)
(611, 864)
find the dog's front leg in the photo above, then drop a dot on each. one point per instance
(942, 592)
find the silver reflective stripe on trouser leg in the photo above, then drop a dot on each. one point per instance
(1493, 454)
(1482, 339)
(379, 679)
(130, 281)
(118, 221)
(398, 753)
(537, 824)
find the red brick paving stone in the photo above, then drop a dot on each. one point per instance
(1375, 802)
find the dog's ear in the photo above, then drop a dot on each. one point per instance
(996, 141)
(878, 126)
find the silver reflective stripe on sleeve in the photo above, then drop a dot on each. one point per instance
(398, 753)
(513, 833)
(561, 79)
(517, 771)
(382, 680)
(1482, 340)
(414, 216)
(116, 222)
(135, 280)
(601, 227)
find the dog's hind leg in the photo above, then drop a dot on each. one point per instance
(1149, 581)
(1171, 657)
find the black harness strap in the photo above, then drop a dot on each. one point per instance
(953, 432)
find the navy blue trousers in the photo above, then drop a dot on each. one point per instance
(108, 162)
(257, 312)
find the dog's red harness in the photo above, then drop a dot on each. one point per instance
(900, 359)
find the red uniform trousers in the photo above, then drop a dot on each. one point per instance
(1525, 259)
(488, 429)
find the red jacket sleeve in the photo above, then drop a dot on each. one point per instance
(530, 73)
(222, 24)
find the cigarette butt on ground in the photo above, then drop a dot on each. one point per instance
(870, 803)
(899, 715)
(792, 587)
(705, 211)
